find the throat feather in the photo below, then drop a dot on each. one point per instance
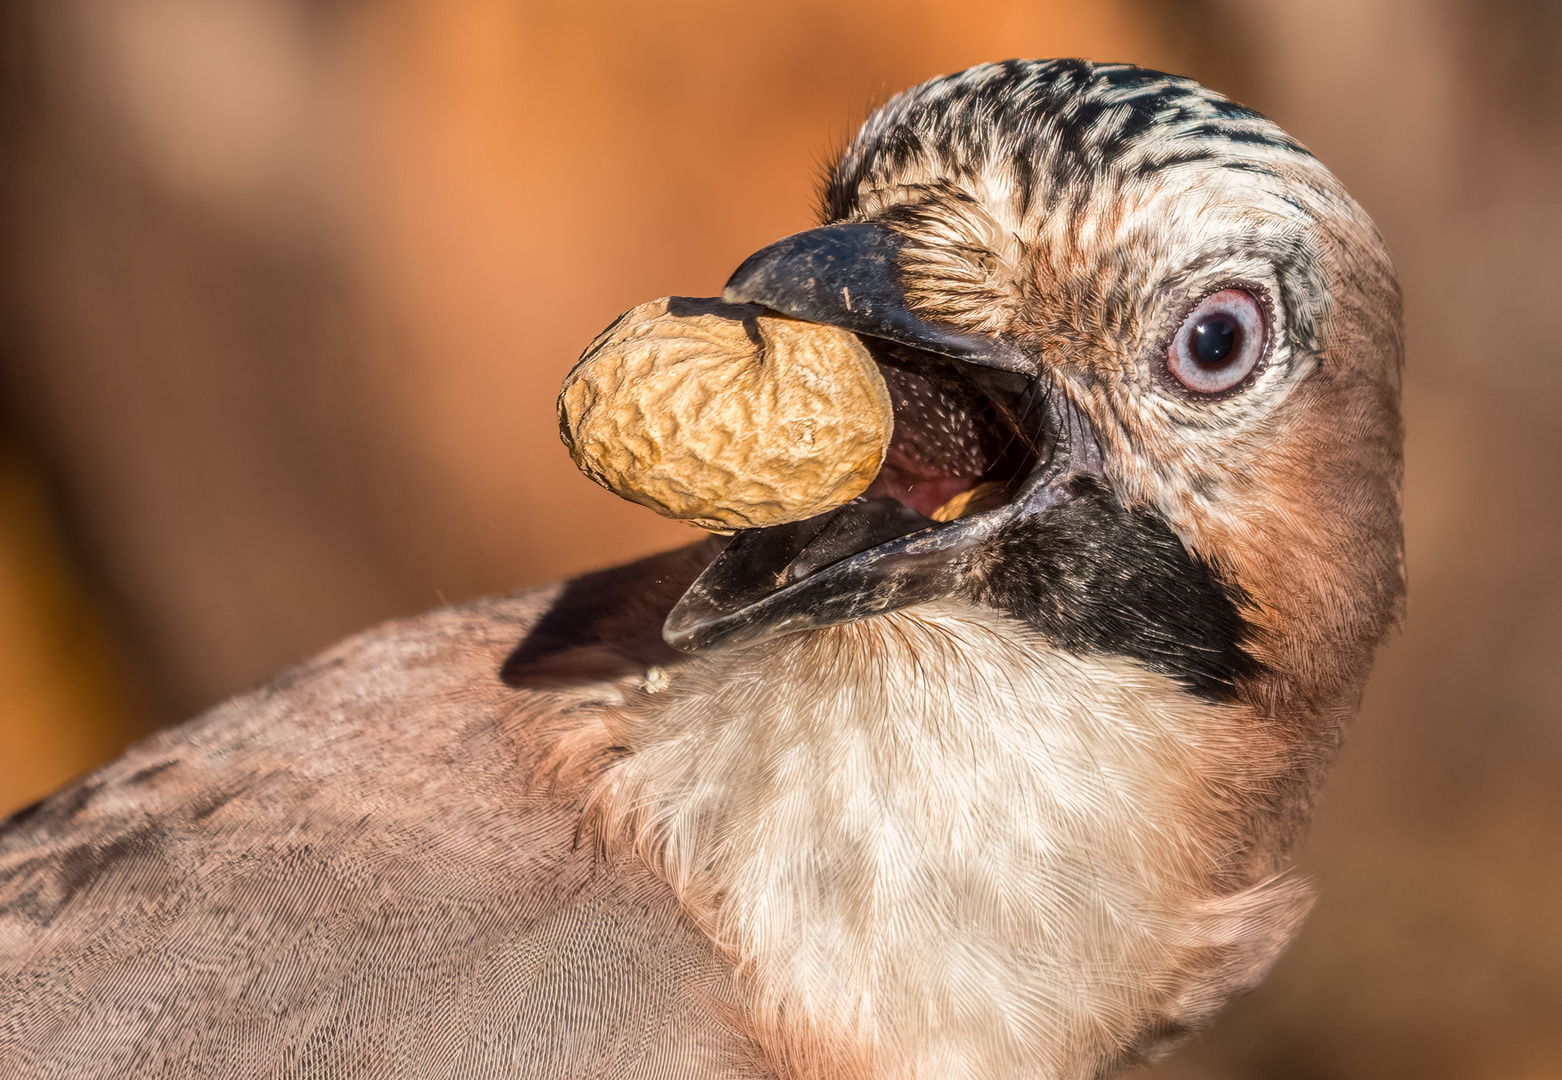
(934, 846)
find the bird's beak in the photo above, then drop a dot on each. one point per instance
(882, 551)
(849, 276)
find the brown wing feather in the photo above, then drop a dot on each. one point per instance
(363, 871)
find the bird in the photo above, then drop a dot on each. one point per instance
(998, 770)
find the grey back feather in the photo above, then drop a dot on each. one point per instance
(360, 871)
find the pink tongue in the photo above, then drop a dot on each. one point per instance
(915, 484)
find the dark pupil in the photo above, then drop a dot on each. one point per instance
(1215, 339)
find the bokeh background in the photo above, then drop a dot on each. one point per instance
(287, 288)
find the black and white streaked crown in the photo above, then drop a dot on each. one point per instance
(1057, 122)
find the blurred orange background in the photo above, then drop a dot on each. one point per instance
(287, 288)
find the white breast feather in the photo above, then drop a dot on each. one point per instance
(937, 847)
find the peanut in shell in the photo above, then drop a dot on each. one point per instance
(726, 416)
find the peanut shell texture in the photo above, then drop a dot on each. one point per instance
(726, 416)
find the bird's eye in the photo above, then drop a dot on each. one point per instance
(1219, 343)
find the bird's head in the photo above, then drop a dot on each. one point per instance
(1144, 352)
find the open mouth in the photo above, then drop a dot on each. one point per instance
(966, 438)
(969, 444)
(963, 437)
(981, 440)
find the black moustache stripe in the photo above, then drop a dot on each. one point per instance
(1098, 579)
